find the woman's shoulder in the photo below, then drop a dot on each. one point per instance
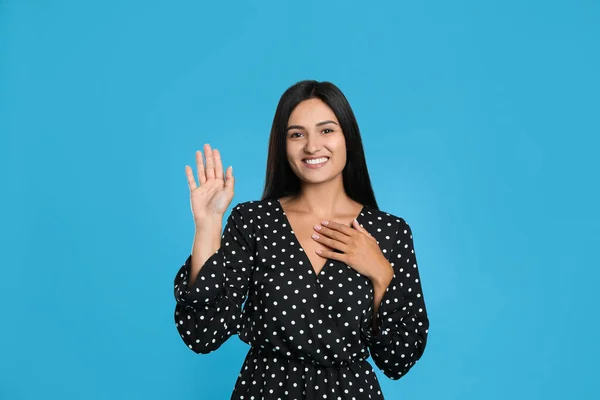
(256, 205)
(382, 214)
(383, 217)
(256, 209)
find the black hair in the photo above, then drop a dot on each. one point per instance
(281, 180)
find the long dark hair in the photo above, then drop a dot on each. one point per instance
(280, 180)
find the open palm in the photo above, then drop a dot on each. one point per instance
(213, 194)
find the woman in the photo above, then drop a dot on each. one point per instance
(328, 277)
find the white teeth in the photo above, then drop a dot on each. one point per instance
(316, 160)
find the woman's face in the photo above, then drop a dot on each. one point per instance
(314, 132)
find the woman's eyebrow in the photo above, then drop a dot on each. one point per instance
(318, 124)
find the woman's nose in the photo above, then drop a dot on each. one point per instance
(313, 144)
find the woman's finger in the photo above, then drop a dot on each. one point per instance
(229, 182)
(337, 235)
(210, 162)
(360, 228)
(331, 243)
(218, 164)
(200, 168)
(190, 177)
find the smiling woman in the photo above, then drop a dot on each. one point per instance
(300, 138)
(329, 278)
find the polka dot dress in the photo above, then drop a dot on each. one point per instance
(310, 334)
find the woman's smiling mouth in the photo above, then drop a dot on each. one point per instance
(315, 163)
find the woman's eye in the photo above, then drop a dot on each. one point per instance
(326, 130)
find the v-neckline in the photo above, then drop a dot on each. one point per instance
(303, 251)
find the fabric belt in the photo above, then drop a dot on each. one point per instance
(333, 364)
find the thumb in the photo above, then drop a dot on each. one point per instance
(229, 179)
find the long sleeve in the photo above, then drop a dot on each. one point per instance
(210, 311)
(402, 322)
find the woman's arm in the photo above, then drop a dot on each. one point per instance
(209, 310)
(401, 322)
(207, 240)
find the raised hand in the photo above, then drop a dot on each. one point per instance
(213, 194)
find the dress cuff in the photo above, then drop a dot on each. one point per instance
(208, 285)
(385, 319)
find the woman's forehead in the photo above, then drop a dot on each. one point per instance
(312, 112)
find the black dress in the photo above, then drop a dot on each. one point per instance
(310, 334)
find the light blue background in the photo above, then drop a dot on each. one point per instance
(481, 128)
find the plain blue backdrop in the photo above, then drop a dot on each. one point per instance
(481, 128)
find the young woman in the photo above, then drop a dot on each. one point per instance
(327, 278)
